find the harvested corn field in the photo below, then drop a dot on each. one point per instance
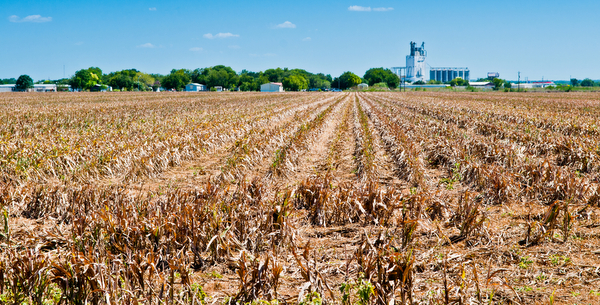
(339, 198)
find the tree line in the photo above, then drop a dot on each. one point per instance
(94, 78)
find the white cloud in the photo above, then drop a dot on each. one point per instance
(152, 9)
(286, 25)
(357, 8)
(234, 47)
(79, 43)
(196, 49)
(220, 35)
(306, 39)
(30, 18)
(146, 45)
(383, 9)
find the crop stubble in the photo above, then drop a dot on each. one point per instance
(426, 197)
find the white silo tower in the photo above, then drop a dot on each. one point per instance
(415, 63)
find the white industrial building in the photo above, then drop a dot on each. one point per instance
(531, 85)
(36, 88)
(7, 88)
(482, 85)
(44, 88)
(416, 68)
(271, 87)
(415, 63)
(195, 87)
(447, 74)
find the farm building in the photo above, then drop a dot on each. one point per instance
(447, 74)
(44, 88)
(271, 87)
(363, 86)
(195, 87)
(7, 88)
(482, 85)
(36, 88)
(531, 85)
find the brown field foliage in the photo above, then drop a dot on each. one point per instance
(308, 198)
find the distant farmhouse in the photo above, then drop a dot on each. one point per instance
(195, 87)
(271, 87)
(482, 85)
(36, 88)
(531, 85)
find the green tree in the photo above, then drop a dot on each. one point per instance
(95, 70)
(498, 83)
(295, 83)
(24, 82)
(574, 82)
(177, 79)
(587, 83)
(121, 81)
(348, 80)
(83, 79)
(459, 82)
(145, 80)
(379, 75)
(507, 84)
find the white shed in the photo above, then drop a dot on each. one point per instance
(7, 88)
(271, 87)
(482, 85)
(44, 88)
(195, 87)
(363, 86)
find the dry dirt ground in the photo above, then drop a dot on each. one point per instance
(492, 266)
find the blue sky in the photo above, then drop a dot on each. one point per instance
(550, 39)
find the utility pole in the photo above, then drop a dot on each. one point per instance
(519, 83)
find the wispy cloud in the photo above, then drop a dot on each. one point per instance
(383, 9)
(196, 49)
(152, 9)
(306, 39)
(270, 54)
(146, 45)
(234, 47)
(220, 35)
(358, 8)
(79, 43)
(286, 25)
(30, 18)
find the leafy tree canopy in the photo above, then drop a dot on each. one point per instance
(86, 78)
(459, 82)
(177, 79)
(587, 83)
(574, 82)
(346, 80)
(295, 83)
(24, 82)
(381, 75)
(498, 83)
